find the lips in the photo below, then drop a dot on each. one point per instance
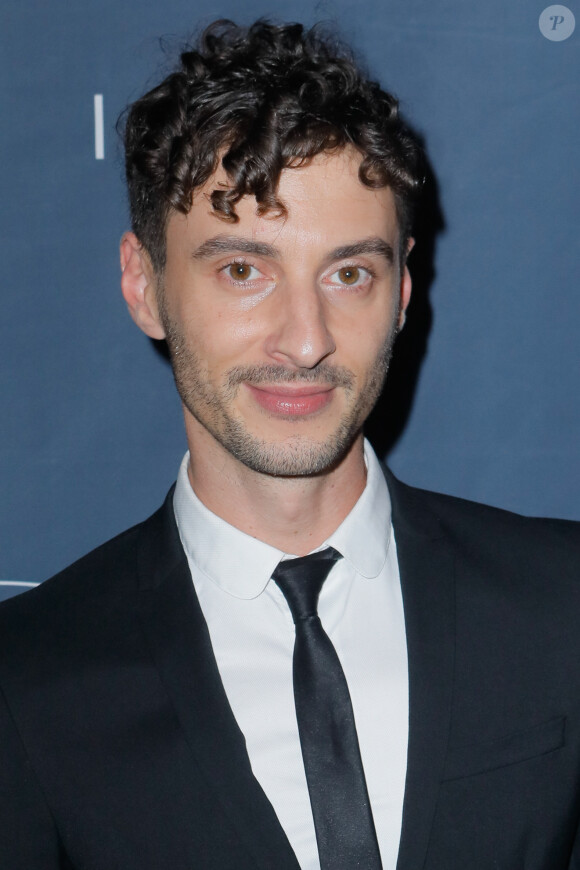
(292, 401)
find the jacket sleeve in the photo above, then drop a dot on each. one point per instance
(575, 857)
(28, 836)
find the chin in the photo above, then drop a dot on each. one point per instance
(296, 456)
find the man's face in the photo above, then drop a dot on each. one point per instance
(280, 329)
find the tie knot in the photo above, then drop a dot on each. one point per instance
(300, 580)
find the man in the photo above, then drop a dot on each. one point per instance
(170, 701)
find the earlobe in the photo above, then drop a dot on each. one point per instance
(406, 287)
(138, 286)
(405, 298)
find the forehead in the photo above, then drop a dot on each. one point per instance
(326, 205)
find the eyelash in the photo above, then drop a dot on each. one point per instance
(243, 262)
(367, 269)
(240, 262)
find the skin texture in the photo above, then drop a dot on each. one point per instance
(280, 343)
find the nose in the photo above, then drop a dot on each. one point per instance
(300, 335)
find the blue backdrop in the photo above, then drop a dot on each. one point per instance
(91, 427)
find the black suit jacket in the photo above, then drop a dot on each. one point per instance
(119, 751)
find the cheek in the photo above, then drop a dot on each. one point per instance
(244, 330)
(222, 341)
(365, 339)
(238, 330)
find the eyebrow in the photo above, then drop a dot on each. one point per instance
(239, 245)
(234, 245)
(365, 246)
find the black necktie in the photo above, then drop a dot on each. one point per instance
(343, 821)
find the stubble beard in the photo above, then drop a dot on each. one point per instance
(298, 455)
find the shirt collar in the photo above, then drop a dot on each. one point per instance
(242, 566)
(363, 536)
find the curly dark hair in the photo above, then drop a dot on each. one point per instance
(262, 98)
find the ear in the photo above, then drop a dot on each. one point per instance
(406, 286)
(138, 286)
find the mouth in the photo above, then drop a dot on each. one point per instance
(287, 400)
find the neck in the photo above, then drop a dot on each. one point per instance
(293, 514)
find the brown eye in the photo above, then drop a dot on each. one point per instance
(240, 271)
(349, 274)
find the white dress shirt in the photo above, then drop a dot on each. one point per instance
(252, 635)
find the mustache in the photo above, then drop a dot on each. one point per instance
(324, 374)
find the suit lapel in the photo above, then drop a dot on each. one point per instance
(426, 565)
(179, 640)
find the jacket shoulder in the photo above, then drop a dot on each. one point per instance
(111, 570)
(483, 528)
